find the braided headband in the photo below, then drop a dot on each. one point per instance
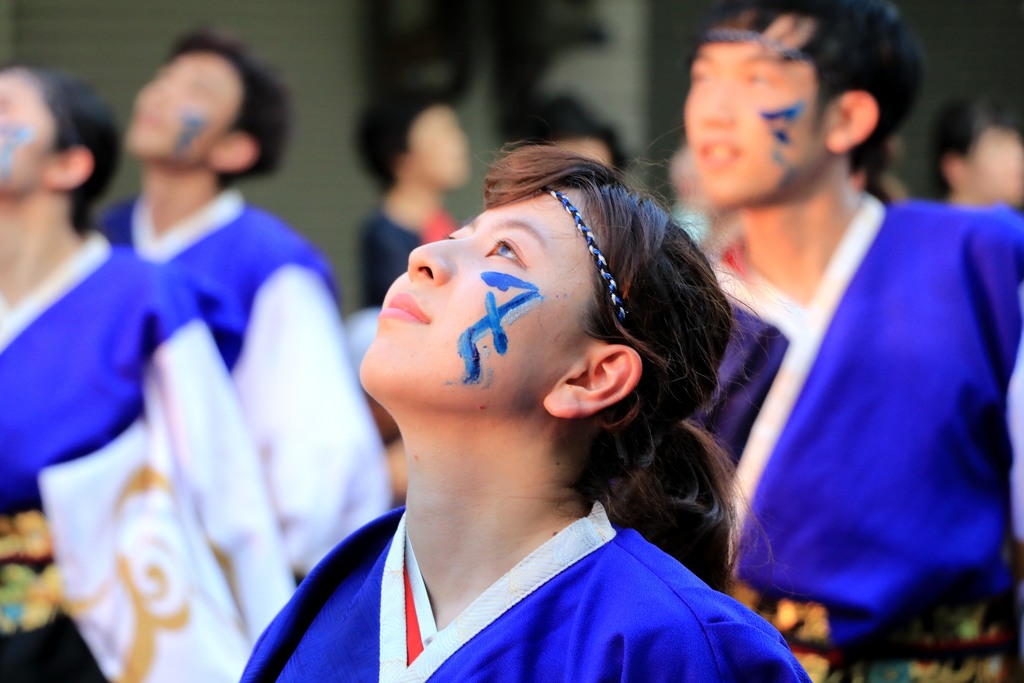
(735, 35)
(599, 260)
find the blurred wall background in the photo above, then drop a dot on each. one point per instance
(625, 59)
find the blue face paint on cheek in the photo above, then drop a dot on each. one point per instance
(12, 136)
(780, 122)
(494, 316)
(192, 125)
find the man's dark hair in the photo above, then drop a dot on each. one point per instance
(855, 45)
(265, 112)
(383, 131)
(959, 124)
(82, 119)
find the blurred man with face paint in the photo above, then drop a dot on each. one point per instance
(873, 400)
(212, 114)
(111, 480)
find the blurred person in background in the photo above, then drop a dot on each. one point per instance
(212, 115)
(120, 506)
(416, 150)
(978, 153)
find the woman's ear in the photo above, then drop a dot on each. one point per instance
(235, 153)
(604, 375)
(855, 118)
(69, 169)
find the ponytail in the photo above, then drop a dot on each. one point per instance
(683, 503)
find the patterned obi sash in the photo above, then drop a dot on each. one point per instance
(30, 587)
(973, 642)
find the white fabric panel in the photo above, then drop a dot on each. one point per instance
(216, 454)
(137, 577)
(1015, 421)
(320, 446)
(170, 559)
(420, 597)
(228, 206)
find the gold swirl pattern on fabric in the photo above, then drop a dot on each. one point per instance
(30, 588)
(149, 567)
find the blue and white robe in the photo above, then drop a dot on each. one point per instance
(322, 453)
(594, 603)
(119, 422)
(880, 429)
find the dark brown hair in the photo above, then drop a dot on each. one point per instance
(265, 111)
(382, 135)
(651, 468)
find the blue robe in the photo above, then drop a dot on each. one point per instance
(888, 490)
(626, 611)
(72, 380)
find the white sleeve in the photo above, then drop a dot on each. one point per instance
(170, 558)
(320, 447)
(1015, 420)
(218, 461)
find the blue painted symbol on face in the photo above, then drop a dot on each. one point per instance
(492, 320)
(12, 136)
(192, 124)
(780, 122)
